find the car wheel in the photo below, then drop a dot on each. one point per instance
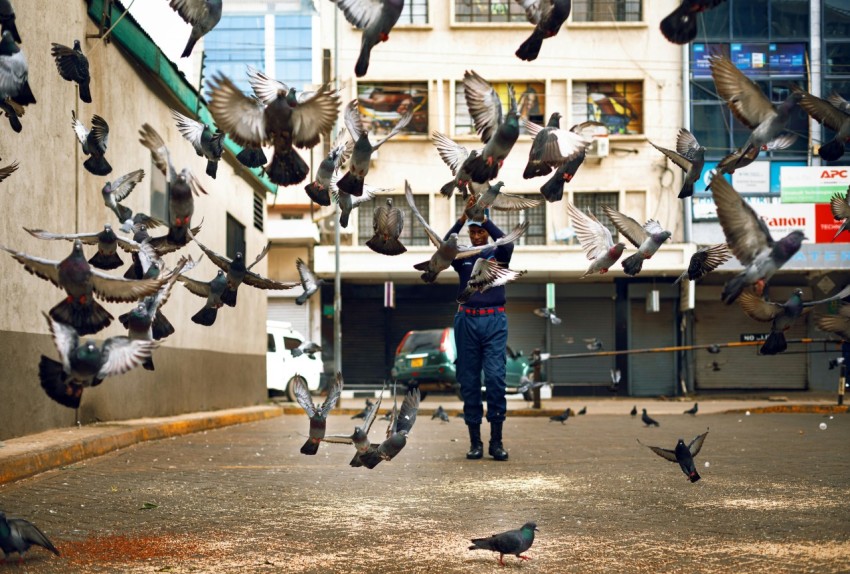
(290, 387)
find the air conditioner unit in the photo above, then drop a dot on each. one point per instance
(598, 148)
(328, 223)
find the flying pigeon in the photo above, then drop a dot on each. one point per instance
(840, 207)
(595, 240)
(749, 239)
(361, 156)
(749, 104)
(688, 155)
(680, 26)
(493, 197)
(212, 291)
(150, 251)
(552, 147)
(486, 274)
(634, 411)
(14, 73)
(782, 315)
(360, 437)
(202, 15)
(81, 282)
(440, 413)
(830, 116)
(561, 418)
(94, 143)
(281, 121)
(684, 455)
(387, 223)
(117, 191)
(593, 344)
(7, 20)
(13, 111)
(497, 133)
(17, 534)
(208, 144)
(511, 542)
(308, 347)
(647, 238)
(318, 415)
(319, 189)
(647, 420)
(615, 381)
(107, 244)
(73, 66)
(365, 412)
(347, 202)
(737, 159)
(399, 428)
(527, 385)
(309, 281)
(8, 170)
(836, 100)
(838, 324)
(457, 157)
(693, 410)
(704, 261)
(84, 364)
(547, 16)
(546, 313)
(553, 189)
(376, 18)
(449, 250)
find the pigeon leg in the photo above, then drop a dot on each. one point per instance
(521, 557)
(759, 287)
(501, 562)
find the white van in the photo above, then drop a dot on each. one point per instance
(282, 368)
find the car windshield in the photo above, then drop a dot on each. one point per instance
(422, 341)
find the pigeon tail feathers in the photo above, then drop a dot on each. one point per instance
(52, 379)
(351, 185)
(190, 45)
(529, 49)
(252, 157)
(85, 93)
(103, 261)
(229, 297)
(212, 168)
(553, 190)
(633, 264)
(389, 246)
(774, 344)
(123, 213)
(86, 319)
(448, 190)
(832, 151)
(161, 327)
(687, 190)
(694, 476)
(287, 168)
(97, 165)
(318, 193)
(205, 316)
(362, 65)
(25, 96)
(310, 447)
(148, 364)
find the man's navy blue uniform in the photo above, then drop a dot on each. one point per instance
(481, 336)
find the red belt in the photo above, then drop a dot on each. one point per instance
(477, 311)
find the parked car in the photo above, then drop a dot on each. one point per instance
(282, 369)
(428, 358)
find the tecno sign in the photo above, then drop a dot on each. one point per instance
(812, 184)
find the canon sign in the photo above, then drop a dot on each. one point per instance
(776, 222)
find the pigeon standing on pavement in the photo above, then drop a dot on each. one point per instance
(107, 243)
(498, 133)
(595, 240)
(73, 66)
(319, 189)
(688, 155)
(202, 15)
(647, 238)
(318, 415)
(94, 143)
(309, 281)
(838, 324)
(208, 144)
(683, 454)
(840, 207)
(830, 116)
(7, 20)
(114, 192)
(19, 535)
(212, 291)
(547, 16)
(457, 157)
(365, 412)
(634, 411)
(511, 542)
(648, 420)
(387, 223)
(693, 410)
(360, 437)
(749, 239)
(704, 261)
(486, 274)
(440, 413)
(561, 418)
(680, 26)
(397, 431)
(552, 147)
(376, 18)
(583, 411)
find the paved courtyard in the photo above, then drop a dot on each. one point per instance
(773, 499)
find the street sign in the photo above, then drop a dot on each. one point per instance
(550, 296)
(750, 337)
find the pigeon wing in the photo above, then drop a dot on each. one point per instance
(840, 295)
(484, 104)
(121, 354)
(707, 260)
(65, 338)
(465, 251)
(533, 9)
(258, 281)
(87, 238)
(192, 11)
(839, 102)
(265, 88)
(432, 235)
(595, 238)
(241, 117)
(334, 392)
(79, 129)
(746, 233)
(823, 111)
(674, 156)
(32, 534)
(360, 13)
(44, 268)
(686, 144)
(308, 278)
(840, 206)
(397, 128)
(352, 119)
(314, 116)
(744, 97)
(631, 229)
(262, 254)
(199, 288)
(191, 129)
(757, 308)
(118, 289)
(122, 186)
(407, 413)
(696, 445)
(100, 131)
(220, 261)
(662, 452)
(452, 153)
(159, 153)
(509, 202)
(8, 170)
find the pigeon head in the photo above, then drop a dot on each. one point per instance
(108, 233)
(786, 247)
(8, 45)
(530, 526)
(77, 46)
(78, 248)
(617, 249)
(154, 270)
(86, 358)
(239, 256)
(554, 120)
(291, 99)
(498, 185)
(661, 237)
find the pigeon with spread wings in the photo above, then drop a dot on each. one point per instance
(94, 143)
(595, 240)
(360, 437)
(73, 66)
(547, 16)
(318, 415)
(499, 133)
(376, 18)
(647, 238)
(704, 261)
(309, 281)
(683, 454)
(398, 430)
(207, 143)
(689, 156)
(840, 206)
(486, 274)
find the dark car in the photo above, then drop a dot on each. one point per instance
(428, 358)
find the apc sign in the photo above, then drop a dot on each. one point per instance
(812, 184)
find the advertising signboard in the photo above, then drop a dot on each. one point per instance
(813, 184)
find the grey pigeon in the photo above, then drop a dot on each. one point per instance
(838, 324)
(493, 197)
(360, 437)
(387, 224)
(526, 385)
(361, 156)
(365, 412)
(547, 16)
(546, 313)
(737, 159)
(693, 410)
(830, 116)
(595, 240)
(704, 261)
(208, 144)
(449, 250)
(309, 281)
(840, 207)
(561, 418)
(511, 542)
(486, 274)
(281, 121)
(210, 290)
(782, 315)
(318, 415)
(347, 202)
(749, 104)
(107, 244)
(73, 66)
(553, 189)
(16, 534)
(319, 189)
(202, 15)
(457, 158)
(114, 192)
(397, 432)
(308, 347)
(647, 238)
(497, 133)
(81, 283)
(238, 273)
(552, 147)
(648, 420)
(157, 247)
(683, 454)
(7, 20)
(84, 364)
(376, 18)
(836, 100)
(94, 143)
(616, 375)
(8, 170)
(689, 156)
(680, 26)
(14, 72)
(749, 239)
(440, 413)
(593, 344)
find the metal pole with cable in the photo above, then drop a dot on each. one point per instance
(337, 274)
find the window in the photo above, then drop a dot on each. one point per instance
(836, 57)
(489, 11)
(270, 344)
(607, 11)
(531, 97)
(382, 105)
(507, 220)
(293, 50)
(412, 234)
(235, 237)
(744, 20)
(233, 43)
(290, 343)
(414, 12)
(618, 105)
(593, 202)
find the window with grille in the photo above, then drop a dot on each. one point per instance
(531, 97)
(235, 42)
(507, 220)
(489, 11)
(414, 12)
(235, 237)
(593, 202)
(413, 232)
(383, 104)
(607, 11)
(836, 58)
(618, 105)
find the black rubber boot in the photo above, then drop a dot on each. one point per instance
(476, 448)
(497, 451)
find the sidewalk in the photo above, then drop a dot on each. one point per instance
(26, 456)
